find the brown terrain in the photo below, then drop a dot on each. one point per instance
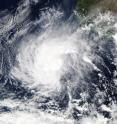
(84, 6)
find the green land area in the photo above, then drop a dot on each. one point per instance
(85, 6)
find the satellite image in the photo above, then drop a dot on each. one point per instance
(58, 61)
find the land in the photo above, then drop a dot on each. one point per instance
(85, 6)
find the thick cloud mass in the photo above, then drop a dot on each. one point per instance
(57, 67)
